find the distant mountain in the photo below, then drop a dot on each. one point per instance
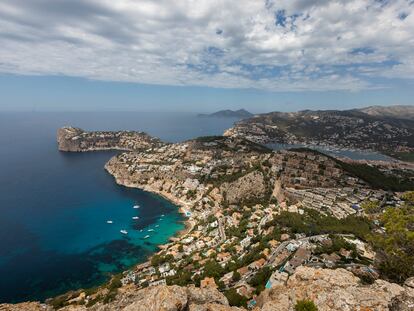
(241, 114)
(401, 112)
(354, 129)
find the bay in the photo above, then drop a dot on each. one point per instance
(54, 206)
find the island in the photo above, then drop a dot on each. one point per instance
(239, 114)
(266, 230)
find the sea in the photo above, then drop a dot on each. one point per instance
(55, 206)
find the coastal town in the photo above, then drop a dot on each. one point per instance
(349, 130)
(258, 222)
(239, 198)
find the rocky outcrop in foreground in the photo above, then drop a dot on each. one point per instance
(77, 140)
(330, 290)
(337, 290)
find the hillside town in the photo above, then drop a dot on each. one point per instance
(350, 130)
(239, 198)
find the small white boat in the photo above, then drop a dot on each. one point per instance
(109, 222)
(150, 230)
(124, 232)
(146, 237)
(136, 206)
(135, 217)
(156, 226)
(162, 215)
(141, 230)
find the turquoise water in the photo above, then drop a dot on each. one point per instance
(54, 206)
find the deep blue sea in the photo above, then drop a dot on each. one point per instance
(54, 206)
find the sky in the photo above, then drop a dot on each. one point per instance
(205, 55)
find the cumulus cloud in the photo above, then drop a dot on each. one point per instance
(280, 45)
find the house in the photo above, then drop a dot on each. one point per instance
(243, 270)
(277, 278)
(172, 272)
(245, 242)
(159, 282)
(227, 278)
(223, 257)
(164, 267)
(301, 256)
(256, 265)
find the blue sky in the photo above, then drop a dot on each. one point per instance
(205, 55)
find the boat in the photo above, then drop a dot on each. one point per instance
(150, 230)
(146, 237)
(141, 230)
(135, 217)
(109, 222)
(124, 232)
(156, 226)
(162, 215)
(136, 206)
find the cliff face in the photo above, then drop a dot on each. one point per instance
(77, 140)
(337, 290)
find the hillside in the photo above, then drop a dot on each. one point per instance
(398, 111)
(351, 129)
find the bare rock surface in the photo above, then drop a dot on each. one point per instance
(334, 290)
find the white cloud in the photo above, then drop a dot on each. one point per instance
(280, 45)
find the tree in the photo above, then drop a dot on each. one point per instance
(236, 276)
(235, 299)
(305, 305)
(396, 246)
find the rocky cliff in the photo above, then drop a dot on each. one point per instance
(330, 290)
(336, 290)
(77, 140)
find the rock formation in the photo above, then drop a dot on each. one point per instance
(336, 290)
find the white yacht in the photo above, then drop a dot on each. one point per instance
(124, 232)
(146, 237)
(136, 206)
(135, 217)
(109, 222)
(150, 230)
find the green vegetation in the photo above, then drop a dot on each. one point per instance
(376, 178)
(314, 223)
(235, 299)
(396, 246)
(260, 278)
(403, 156)
(305, 305)
(371, 207)
(157, 260)
(369, 174)
(337, 243)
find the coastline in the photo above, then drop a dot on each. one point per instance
(188, 222)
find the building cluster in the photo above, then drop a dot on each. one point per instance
(239, 245)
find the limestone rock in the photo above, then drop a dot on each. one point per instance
(249, 186)
(333, 290)
(160, 298)
(25, 306)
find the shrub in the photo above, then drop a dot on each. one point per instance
(305, 305)
(235, 299)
